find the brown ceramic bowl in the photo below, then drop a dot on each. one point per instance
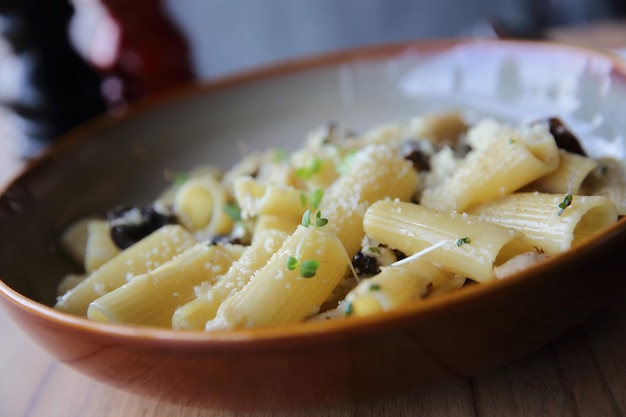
(113, 161)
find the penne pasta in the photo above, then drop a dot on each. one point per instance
(273, 199)
(608, 180)
(196, 313)
(366, 182)
(568, 177)
(469, 247)
(284, 291)
(74, 239)
(147, 254)
(332, 230)
(199, 205)
(99, 247)
(552, 222)
(270, 222)
(152, 298)
(508, 160)
(396, 286)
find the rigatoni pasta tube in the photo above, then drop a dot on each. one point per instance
(99, 248)
(498, 168)
(375, 172)
(608, 180)
(568, 177)
(74, 239)
(398, 285)
(196, 313)
(199, 205)
(549, 221)
(145, 255)
(151, 298)
(273, 199)
(280, 294)
(271, 222)
(412, 228)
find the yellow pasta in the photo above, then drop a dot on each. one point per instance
(320, 232)
(505, 162)
(74, 239)
(608, 180)
(468, 247)
(568, 177)
(99, 247)
(366, 181)
(151, 298)
(272, 199)
(199, 205)
(273, 222)
(552, 222)
(196, 313)
(280, 294)
(436, 128)
(145, 255)
(396, 286)
(316, 168)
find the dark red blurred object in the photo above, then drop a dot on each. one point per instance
(149, 53)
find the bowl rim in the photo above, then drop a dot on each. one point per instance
(310, 331)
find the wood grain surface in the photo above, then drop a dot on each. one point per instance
(581, 374)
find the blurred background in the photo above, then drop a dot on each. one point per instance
(65, 61)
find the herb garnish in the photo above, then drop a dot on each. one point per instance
(463, 240)
(233, 211)
(314, 200)
(319, 221)
(308, 268)
(348, 309)
(180, 178)
(567, 201)
(307, 172)
(344, 165)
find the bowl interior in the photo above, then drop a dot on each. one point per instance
(125, 160)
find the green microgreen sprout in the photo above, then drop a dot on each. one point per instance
(316, 198)
(180, 178)
(348, 309)
(344, 165)
(308, 268)
(318, 221)
(292, 263)
(233, 211)
(313, 200)
(374, 250)
(307, 172)
(463, 240)
(567, 201)
(374, 287)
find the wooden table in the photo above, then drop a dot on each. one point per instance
(581, 374)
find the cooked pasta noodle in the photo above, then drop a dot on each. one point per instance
(347, 225)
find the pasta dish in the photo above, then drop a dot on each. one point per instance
(350, 224)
